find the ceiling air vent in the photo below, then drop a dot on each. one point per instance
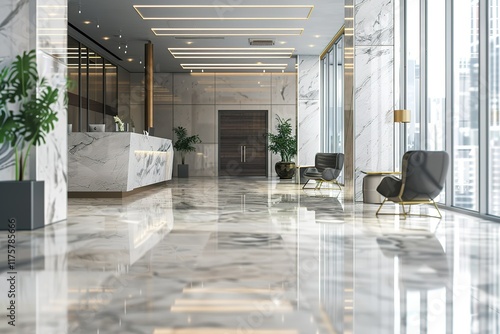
(261, 42)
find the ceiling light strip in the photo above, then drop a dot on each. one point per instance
(219, 7)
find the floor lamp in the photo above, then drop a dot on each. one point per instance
(401, 116)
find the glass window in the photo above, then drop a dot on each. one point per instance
(466, 104)
(412, 39)
(73, 83)
(436, 78)
(494, 110)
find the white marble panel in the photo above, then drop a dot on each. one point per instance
(373, 100)
(197, 119)
(374, 22)
(16, 29)
(163, 120)
(308, 77)
(243, 88)
(309, 120)
(163, 88)
(284, 88)
(110, 161)
(51, 164)
(194, 88)
(202, 162)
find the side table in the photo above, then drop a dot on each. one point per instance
(370, 184)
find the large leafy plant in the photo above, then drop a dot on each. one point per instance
(26, 108)
(283, 143)
(184, 143)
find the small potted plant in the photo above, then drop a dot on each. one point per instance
(26, 117)
(284, 144)
(184, 144)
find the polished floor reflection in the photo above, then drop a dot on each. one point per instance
(252, 256)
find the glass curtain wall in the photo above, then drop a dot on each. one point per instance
(494, 108)
(436, 79)
(412, 38)
(466, 104)
(333, 99)
(93, 90)
(461, 98)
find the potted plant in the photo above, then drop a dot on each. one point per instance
(284, 144)
(184, 144)
(26, 117)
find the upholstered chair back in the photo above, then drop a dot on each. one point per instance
(423, 174)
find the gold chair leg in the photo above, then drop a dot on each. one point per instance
(380, 207)
(438, 211)
(318, 186)
(404, 211)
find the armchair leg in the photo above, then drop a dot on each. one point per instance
(380, 207)
(305, 184)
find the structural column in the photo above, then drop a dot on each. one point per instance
(369, 112)
(23, 25)
(309, 115)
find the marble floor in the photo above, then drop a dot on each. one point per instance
(252, 256)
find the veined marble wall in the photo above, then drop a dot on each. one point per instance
(373, 87)
(192, 100)
(25, 26)
(309, 115)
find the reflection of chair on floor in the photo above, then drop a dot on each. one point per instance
(327, 168)
(423, 262)
(422, 179)
(327, 209)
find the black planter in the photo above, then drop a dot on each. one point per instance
(22, 202)
(182, 170)
(285, 170)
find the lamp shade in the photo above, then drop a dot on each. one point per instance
(402, 116)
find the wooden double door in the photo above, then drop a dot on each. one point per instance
(243, 143)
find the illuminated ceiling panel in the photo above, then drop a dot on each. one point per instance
(214, 32)
(224, 12)
(225, 53)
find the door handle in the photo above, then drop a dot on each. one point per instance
(244, 154)
(241, 153)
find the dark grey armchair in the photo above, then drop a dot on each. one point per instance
(327, 168)
(423, 174)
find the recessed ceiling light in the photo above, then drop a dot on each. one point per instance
(87, 22)
(317, 36)
(282, 42)
(189, 42)
(311, 45)
(130, 59)
(224, 12)
(105, 38)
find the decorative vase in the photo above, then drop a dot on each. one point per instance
(23, 203)
(285, 170)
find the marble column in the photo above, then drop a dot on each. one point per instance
(373, 90)
(309, 116)
(40, 25)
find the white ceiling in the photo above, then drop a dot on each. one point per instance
(117, 17)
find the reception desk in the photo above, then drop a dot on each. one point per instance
(116, 162)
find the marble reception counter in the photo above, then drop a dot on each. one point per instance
(117, 162)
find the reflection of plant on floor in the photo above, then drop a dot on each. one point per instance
(21, 88)
(184, 143)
